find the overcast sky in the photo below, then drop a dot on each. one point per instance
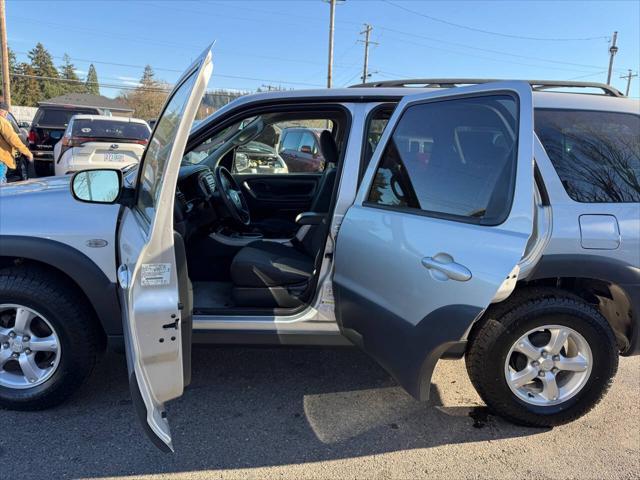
(263, 42)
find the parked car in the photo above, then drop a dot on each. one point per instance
(462, 231)
(23, 166)
(98, 141)
(300, 149)
(257, 157)
(49, 124)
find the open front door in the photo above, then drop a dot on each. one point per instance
(155, 289)
(439, 226)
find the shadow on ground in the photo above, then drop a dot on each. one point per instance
(246, 407)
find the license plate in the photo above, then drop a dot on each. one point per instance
(114, 157)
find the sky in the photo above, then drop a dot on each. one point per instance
(285, 43)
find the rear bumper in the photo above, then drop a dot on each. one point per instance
(42, 155)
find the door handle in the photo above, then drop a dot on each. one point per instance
(444, 264)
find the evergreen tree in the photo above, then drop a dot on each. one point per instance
(147, 99)
(91, 83)
(72, 83)
(148, 77)
(43, 67)
(25, 90)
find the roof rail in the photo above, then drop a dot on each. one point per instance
(457, 82)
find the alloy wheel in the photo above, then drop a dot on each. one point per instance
(29, 347)
(548, 365)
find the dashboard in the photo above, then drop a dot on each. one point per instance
(194, 205)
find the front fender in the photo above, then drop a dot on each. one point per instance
(90, 279)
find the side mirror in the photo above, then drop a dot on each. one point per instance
(97, 186)
(305, 149)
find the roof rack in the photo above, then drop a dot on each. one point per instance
(457, 82)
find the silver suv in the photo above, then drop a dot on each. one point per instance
(442, 224)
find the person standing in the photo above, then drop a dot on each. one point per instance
(9, 143)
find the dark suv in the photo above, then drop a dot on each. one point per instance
(47, 129)
(300, 149)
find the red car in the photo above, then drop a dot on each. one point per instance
(300, 149)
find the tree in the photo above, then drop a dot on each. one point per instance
(149, 97)
(45, 70)
(148, 77)
(25, 90)
(91, 83)
(72, 83)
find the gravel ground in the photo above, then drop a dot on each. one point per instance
(315, 413)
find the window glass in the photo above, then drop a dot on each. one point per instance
(378, 121)
(159, 149)
(13, 123)
(451, 158)
(291, 140)
(261, 145)
(307, 143)
(596, 154)
(56, 117)
(110, 129)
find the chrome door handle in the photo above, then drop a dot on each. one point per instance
(444, 264)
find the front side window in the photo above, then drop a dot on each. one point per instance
(596, 154)
(159, 149)
(452, 158)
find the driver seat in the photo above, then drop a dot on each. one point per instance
(274, 275)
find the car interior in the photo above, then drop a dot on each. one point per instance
(254, 225)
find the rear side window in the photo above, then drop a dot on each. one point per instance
(454, 158)
(596, 154)
(110, 129)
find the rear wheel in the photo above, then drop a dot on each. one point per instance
(543, 358)
(48, 339)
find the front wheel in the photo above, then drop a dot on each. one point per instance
(48, 339)
(543, 358)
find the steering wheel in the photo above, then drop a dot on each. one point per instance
(232, 196)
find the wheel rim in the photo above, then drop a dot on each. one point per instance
(29, 347)
(548, 365)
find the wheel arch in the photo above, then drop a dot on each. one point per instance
(72, 265)
(610, 285)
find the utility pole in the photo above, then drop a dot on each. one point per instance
(4, 51)
(612, 53)
(367, 33)
(332, 16)
(628, 77)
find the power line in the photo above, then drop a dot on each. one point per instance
(161, 89)
(235, 77)
(488, 50)
(488, 32)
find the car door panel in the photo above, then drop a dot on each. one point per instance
(155, 291)
(279, 195)
(409, 285)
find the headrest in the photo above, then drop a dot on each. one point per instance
(328, 147)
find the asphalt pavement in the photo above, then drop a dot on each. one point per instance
(315, 413)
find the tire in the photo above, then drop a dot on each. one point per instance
(70, 317)
(505, 324)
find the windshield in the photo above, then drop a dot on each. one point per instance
(111, 129)
(57, 116)
(159, 148)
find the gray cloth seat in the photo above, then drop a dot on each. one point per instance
(275, 275)
(264, 264)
